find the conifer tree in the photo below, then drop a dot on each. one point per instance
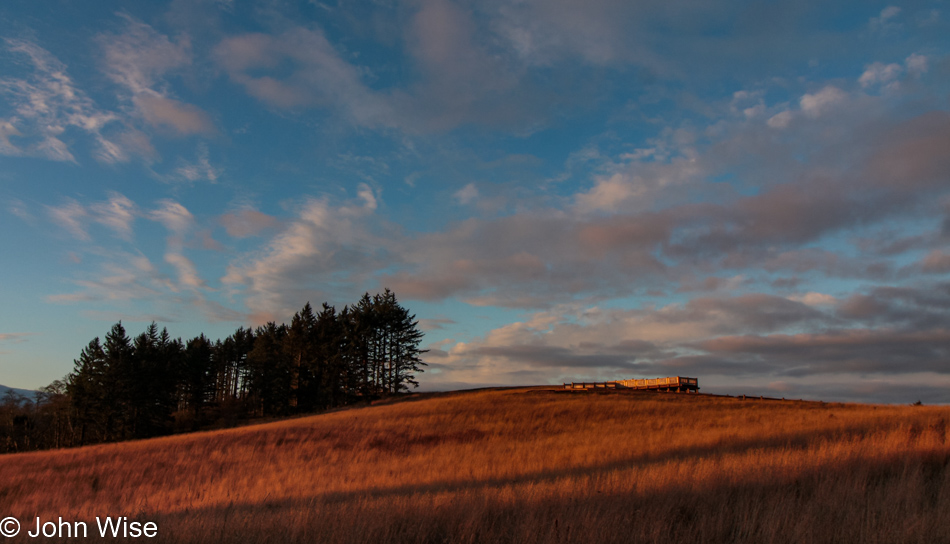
(87, 388)
(270, 374)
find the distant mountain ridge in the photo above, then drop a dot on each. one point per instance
(25, 392)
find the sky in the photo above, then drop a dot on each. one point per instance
(756, 194)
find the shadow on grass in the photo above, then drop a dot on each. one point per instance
(896, 499)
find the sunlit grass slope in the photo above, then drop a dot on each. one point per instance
(521, 466)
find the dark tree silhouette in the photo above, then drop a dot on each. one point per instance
(153, 385)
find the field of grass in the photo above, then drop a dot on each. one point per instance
(520, 466)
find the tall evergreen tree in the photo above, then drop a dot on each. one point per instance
(329, 339)
(120, 388)
(87, 389)
(197, 378)
(301, 352)
(270, 374)
(404, 352)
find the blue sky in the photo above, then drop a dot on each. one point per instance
(754, 193)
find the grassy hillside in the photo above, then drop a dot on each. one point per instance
(521, 466)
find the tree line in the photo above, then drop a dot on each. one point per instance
(150, 385)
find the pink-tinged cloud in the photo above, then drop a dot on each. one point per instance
(319, 77)
(138, 60)
(325, 251)
(187, 274)
(118, 213)
(139, 56)
(914, 155)
(16, 337)
(851, 350)
(184, 119)
(245, 223)
(71, 216)
(173, 216)
(936, 262)
(820, 102)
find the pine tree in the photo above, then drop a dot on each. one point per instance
(301, 351)
(119, 386)
(269, 370)
(197, 377)
(86, 386)
(405, 354)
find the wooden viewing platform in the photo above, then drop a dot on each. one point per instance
(674, 383)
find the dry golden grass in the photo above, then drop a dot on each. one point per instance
(521, 466)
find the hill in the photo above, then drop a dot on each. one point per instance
(523, 465)
(22, 392)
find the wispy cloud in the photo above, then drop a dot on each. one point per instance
(174, 217)
(325, 247)
(179, 222)
(319, 76)
(46, 104)
(16, 337)
(71, 216)
(138, 59)
(247, 222)
(119, 277)
(116, 213)
(200, 169)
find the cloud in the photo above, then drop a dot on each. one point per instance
(936, 262)
(884, 20)
(138, 60)
(879, 73)
(325, 252)
(435, 324)
(466, 195)
(780, 119)
(174, 217)
(46, 105)
(600, 32)
(453, 78)
(184, 119)
(756, 339)
(179, 222)
(814, 299)
(318, 76)
(681, 227)
(365, 193)
(18, 208)
(16, 337)
(713, 283)
(246, 222)
(70, 216)
(187, 274)
(854, 351)
(125, 276)
(140, 56)
(574, 342)
(917, 64)
(201, 169)
(606, 195)
(117, 213)
(820, 102)
(121, 276)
